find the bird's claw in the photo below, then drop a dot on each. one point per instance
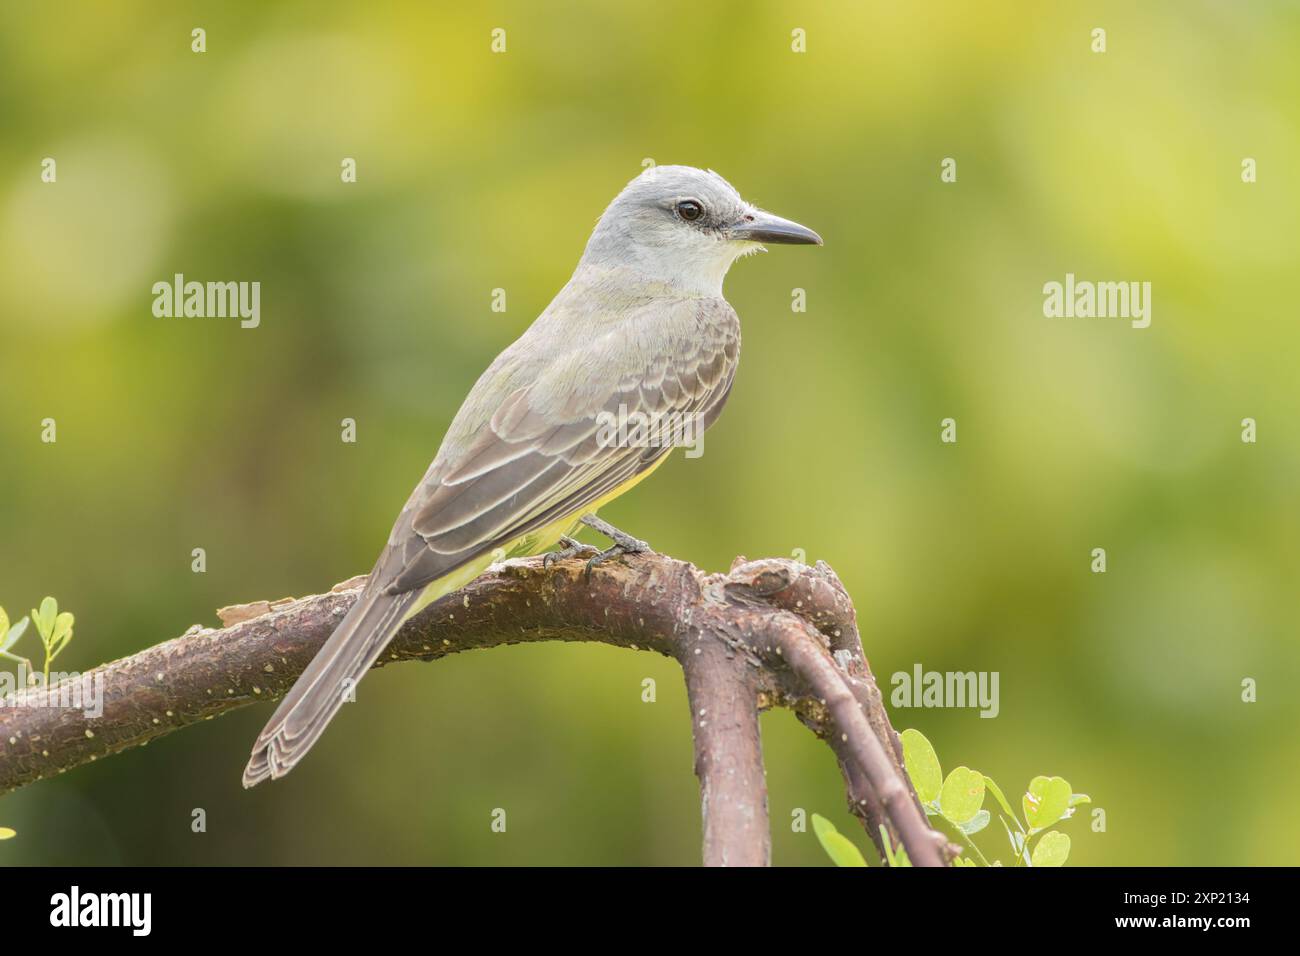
(571, 549)
(624, 543)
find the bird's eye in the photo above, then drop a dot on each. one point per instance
(690, 210)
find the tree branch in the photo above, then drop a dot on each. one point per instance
(728, 756)
(767, 633)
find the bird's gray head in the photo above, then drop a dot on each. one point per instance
(684, 226)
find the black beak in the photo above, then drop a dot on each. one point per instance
(759, 226)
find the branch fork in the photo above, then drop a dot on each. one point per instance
(769, 633)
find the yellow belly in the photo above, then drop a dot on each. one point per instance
(535, 542)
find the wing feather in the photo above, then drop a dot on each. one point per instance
(544, 454)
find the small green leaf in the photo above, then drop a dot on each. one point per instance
(994, 789)
(7, 834)
(976, 823)
(962, 795)
(15, 632)
(4, 623)
(62, 633)
(1046, 802)
(1078, 798)
(922, 765)
(893, 856)
(963, 861)
(837, 846)
(44, 618)
(1052, 850)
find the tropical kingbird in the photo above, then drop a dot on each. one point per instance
(640, 331)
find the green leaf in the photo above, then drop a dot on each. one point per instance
(15, 632)
(837, 846)
(976, 823)
(922, 765)
(1046, 802)
(962, 795)
(1052, 849)
(1078, 798)
(893, 856)
(44, 618)
(7, 834)
(964, 861)
(998, 796)
(4, 623)
(62, 633)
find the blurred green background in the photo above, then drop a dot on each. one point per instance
(479, 171)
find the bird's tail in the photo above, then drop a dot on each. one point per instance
(327, 682)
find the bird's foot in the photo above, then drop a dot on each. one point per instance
(624, 543)
(571, 549)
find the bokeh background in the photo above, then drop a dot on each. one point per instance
(479, 171)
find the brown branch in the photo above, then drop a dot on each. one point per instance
(728, 756)
(767, 633)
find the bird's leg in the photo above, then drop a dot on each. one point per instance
(624, 543)
(571, 549)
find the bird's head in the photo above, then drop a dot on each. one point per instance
(685, 226)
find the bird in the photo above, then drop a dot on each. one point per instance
(641, 328)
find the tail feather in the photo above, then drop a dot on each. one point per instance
(323, 687)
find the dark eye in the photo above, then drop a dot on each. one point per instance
(690, 210)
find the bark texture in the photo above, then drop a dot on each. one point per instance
(769, 633)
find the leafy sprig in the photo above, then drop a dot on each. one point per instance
(54, 628)
(9, 636)
(55, 631)
(958, 800)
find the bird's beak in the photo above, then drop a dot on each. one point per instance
(759, 226)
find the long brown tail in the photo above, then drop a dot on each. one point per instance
(323, 687)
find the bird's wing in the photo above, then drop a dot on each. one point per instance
(546, 452)
(538, 456)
